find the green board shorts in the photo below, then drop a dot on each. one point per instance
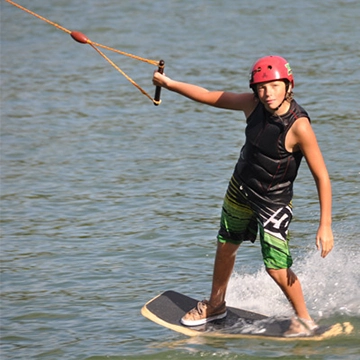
(242, 219)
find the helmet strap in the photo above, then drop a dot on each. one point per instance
(285, 98)
(288, 95)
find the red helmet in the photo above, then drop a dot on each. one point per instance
(270, 68)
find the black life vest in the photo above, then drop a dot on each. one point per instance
(264, 165)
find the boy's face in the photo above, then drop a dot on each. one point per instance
(271, 93)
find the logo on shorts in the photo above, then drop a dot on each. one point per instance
(277, 225)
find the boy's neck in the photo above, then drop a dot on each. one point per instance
(284, 108)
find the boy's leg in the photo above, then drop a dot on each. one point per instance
(302, 325)
(291, 287)
(237, 223)
(277, 258)
(223, 267)
(215, 308)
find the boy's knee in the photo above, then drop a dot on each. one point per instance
(282, 275)
(227, 248)
(274, 273)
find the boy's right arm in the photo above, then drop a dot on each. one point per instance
(227, 100)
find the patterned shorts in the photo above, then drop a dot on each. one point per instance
(241, 219)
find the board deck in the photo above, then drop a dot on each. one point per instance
(169, 307)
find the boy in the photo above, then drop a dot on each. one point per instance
(259, 195)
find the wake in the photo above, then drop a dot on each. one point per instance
(331, 287)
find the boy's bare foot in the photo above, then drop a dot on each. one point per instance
(301, 327)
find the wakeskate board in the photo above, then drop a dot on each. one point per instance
(169, 307)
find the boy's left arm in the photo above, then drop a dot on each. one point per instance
(308, 144)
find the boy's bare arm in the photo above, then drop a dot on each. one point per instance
(227, 100)
(309, 146)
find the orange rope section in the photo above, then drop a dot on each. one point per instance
(122, 72)
(38, 16)
(77, 36)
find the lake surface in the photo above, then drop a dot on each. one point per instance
(107, 200)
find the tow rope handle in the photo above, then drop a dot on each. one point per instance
(157, 100)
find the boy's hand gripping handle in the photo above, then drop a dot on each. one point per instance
(157, 100)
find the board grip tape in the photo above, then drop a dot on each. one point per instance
(158, 88)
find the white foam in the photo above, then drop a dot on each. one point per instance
(331, 286)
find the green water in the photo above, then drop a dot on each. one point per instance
(107, 200)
